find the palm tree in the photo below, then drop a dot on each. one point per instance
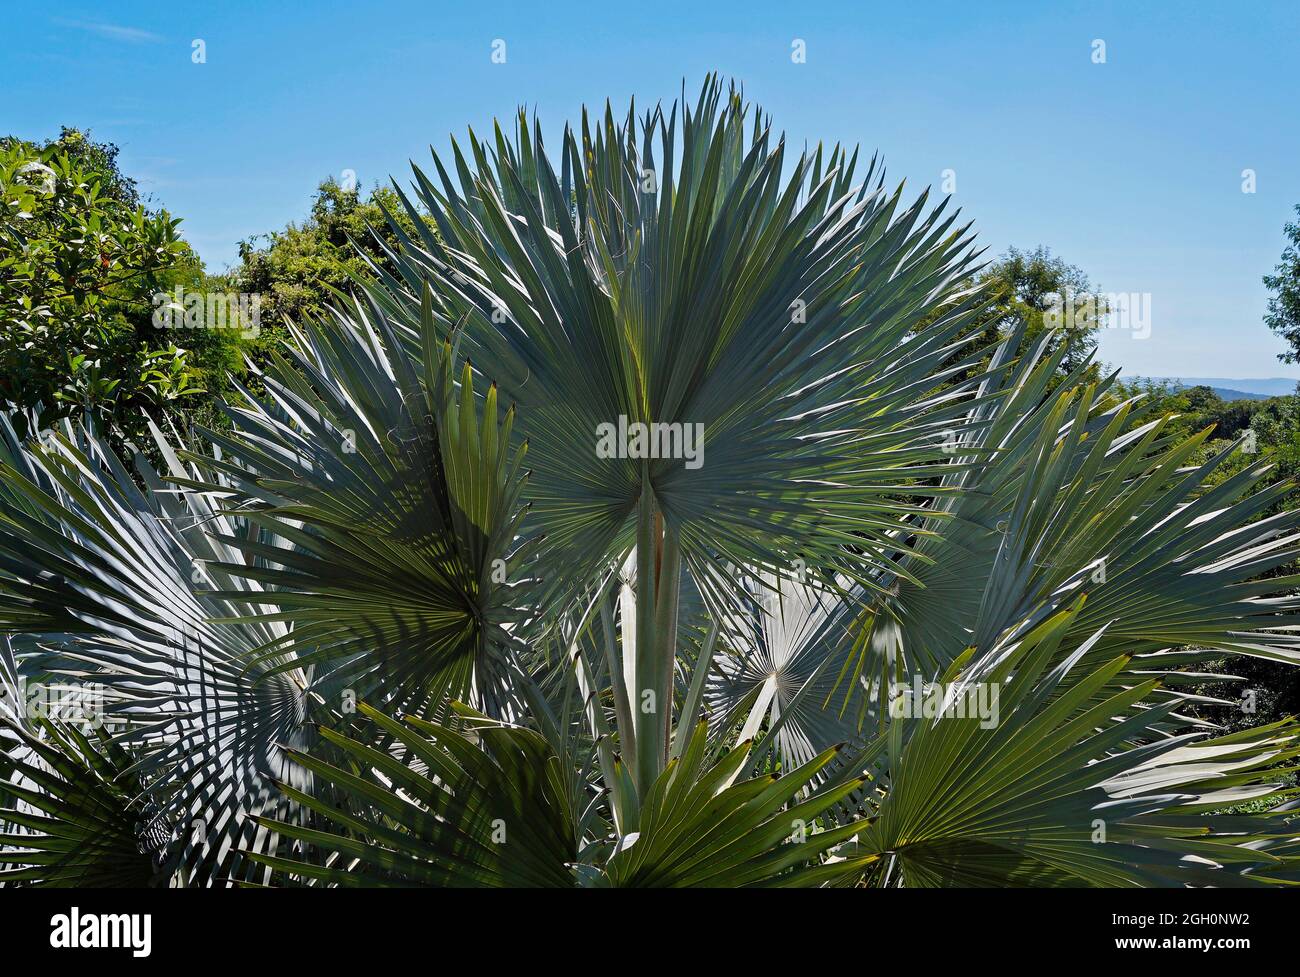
(880, 612)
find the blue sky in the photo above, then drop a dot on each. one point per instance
(1130, 169)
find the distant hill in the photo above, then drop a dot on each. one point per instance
(1223, 393)
(1247, 388)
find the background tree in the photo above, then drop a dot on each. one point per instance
(1284, 304)
(81, 259)
(296, 270)
(1028, 286)
(99, 158)
(1027, 291)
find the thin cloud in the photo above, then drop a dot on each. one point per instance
(114, 32)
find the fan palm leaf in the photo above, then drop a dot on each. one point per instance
(1054, 792)
(78, 814)
(102, 582)
(490, 808)
(778, 668)
(1073, 501)
(652, 282)
(388, 515)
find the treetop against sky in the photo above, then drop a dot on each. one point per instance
(1152, 149)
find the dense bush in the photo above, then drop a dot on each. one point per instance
(81, 264)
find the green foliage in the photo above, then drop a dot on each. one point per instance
(1026, 293)
(1267, 430)
(1243, 434)
(80, 263)
(495, 809)
(1284, 304)
(87, 820)
(100, 159)
(298, 270)
(1049, 795)
(1027, 286)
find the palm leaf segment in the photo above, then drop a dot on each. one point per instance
(666, 275)
(378, 514)
(1071, 500)
(102, 583)
(490, 806)
(1071, 785)
(1169, 561)
(1050, 497)
(72, 809)
(1061, 784)
(776, 669)
(80, 816)
(388, 515)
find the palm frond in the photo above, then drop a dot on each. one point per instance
(1052, 793)
(668, 276)
(387, 508)
(80, 815)
(103, 583)
(488, 806)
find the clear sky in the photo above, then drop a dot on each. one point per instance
(1131, 169)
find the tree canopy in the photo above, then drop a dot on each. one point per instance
(82, 262)
(1283, 315)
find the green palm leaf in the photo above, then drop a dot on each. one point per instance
(105, 583)
(489, 806)
(387, 516)
(768, 315)
(779, 668)
(79, 814)
(1070, 502)
(1054, 793)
